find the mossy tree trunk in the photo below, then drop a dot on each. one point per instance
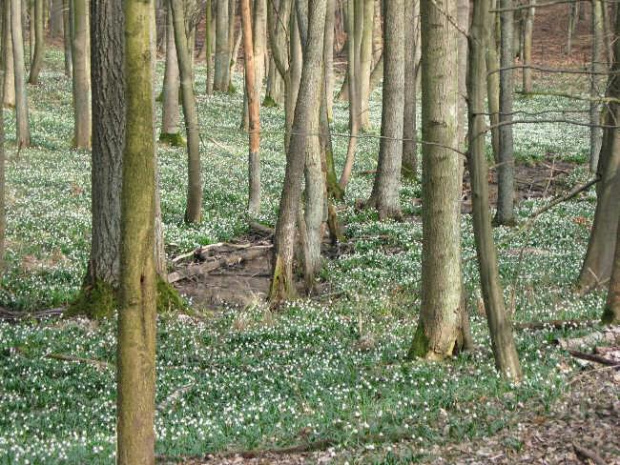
(385, 196)
(137, 315)
(308, 103)
(253, 105)
(39, 49)
(597, 265)
(193, 209)
(22, 125)
(505, 214)
(502, 340)
(80, 48)
(170, 132)
(441, 187)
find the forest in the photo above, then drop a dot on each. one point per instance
(309, 232)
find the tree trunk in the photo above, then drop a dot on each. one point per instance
(410, 128)
(21, 98)
(611, 313)
(463, 22)
(252, 92)
(493, 84)
(505, 171)
(56, 21)
(39, 50)
(353, 97)
(209, 46)
(596, 83)
(66, 21)
(7, 54)
(386, 189)
(293, 78)
(222, 52)
(234, 42)
(365, 63)
(502, 340)
(137, 314)
(283, 286)
(5, 43)
(81, 74)
(527, 47)
(600, 255)
(441, 262)
(170, 131)
(194, 189)
(329, 59)
(278, 13)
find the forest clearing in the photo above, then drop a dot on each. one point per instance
(327, 377)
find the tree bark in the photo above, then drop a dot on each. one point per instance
(7, 54)
(528, 32)
(441, 262)
(194, 188)
(21, 97)
(365, 63)
(502, 340)
(505, 171)
(611, 313)
(81, 74)
(66, 21)
(329, 58)
(5, 43)
(170, 131)
(283, 286)
(56, 21)
(463, 23)
(596, 83)
(137, 314)
(39, 49)
(252, 92)
(385, 194)
(209, 46)
(597, 265)
(493, 84)
(222, 51)
(410, 128)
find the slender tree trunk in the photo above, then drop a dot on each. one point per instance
(282, 286)
(463, 23)
(527, 47)
(66, 21)
(441, 262)
(56, 21)
(194, 189)
(365, 63)
(21, 98)
(386, 189)
(502, 340)
(170, 131)
(7, 54)
(293, 78)
(5, 43)
(278, 12)
(492, 63)
(505, 171)
(572, 20)
(253, 110)
(209, 46)
(137, 314)
(599, 258)
(410, 128)
(596, 83)
(39, 50)
(81, 74)
(353, 97)
(329, 58)
(234, 42)
(222, 52)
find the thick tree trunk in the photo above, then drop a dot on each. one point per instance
(170, 131)
(596, 83)
(22, 125)
(66, 21)
(385, 194)
(441, 262)
(611, 314)
(528, 33)
(137, 314)
(505, 171)
(410, 128)
(283, 286)
(39, 50)
(463, 22)
(8, 85)
(253, 95)
(194, 188)
(222, 51)
(502, 340)
(81, 74)
(108, 100)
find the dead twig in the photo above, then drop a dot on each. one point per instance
(175, 396)
(584, 455)
(71, 358)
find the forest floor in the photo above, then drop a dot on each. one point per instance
(324, 379)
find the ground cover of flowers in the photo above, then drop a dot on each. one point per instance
(332, 369)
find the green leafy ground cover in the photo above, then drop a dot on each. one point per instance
(325, 370)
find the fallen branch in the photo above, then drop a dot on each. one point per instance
(201, 269)
(261, 229)
(594, 358)
(610, 337)
(584, 455)
(556, 324)
(175, 396)
(70, 358)
(569, 195)
(9, 315)
(178, 258)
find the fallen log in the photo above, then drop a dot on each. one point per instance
(202, 269)
(594, 358)
(609, 337)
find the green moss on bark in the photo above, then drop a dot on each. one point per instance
(174, 140)
(269, 102)
(609, 316)
(420, 345)
(168, 298)
(95, 301)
